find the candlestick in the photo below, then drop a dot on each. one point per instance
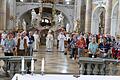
(32, 65)
(22, 66)
(42, 66)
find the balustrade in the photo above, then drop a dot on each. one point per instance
(98, 66)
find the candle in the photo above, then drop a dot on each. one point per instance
(42, 66)
(22, 67)
(32, 65)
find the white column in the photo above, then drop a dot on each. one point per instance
(88, 15)
(108, 16)
(118, 28)
(11, 14)
(2, 14)
(77, 11)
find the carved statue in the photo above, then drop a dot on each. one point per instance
(33, 18)
(76, 25)
(56, 18)
(60, 18)
(24, 25)
(38, 18)
(18, 23)
(101, 23)
(67, 27)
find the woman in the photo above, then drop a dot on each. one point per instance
(9, 45)
(80, 45)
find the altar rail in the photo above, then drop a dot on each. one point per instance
(98, 66)
(15, 60)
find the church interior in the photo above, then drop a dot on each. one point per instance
(50, 39)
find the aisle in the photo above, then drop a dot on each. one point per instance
(55, 62)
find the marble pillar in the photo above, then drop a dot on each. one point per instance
(88, 15)
(108, 16)
(11, 14)
(118, 28)
(78, 9)
(2, 15)
(77, 12)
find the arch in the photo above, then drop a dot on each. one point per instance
(95, 18)
(67, 11)
(114, 19)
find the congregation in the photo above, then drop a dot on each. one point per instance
(74, 44)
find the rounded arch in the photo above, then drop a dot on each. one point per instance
(114, 19)
(66, 17)
(95, 18)
(67, 12)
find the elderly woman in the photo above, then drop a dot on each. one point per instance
(9, 45)
(93, 48)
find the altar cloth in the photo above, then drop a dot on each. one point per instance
(63, 77)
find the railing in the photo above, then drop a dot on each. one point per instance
(98, 66)
(15, 60)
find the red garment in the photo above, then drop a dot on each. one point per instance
(81, 43)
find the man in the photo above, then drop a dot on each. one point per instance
(21, 45)
(36, 42)
(104, 48)
(61, 39)
(30, 43)
(24, 33)
(93, 47)
(49, 41)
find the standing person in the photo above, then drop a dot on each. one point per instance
(21, 45)
(67, 43)
(80, 45)
(17, 37)
(24, 33)
(3, 37)
(9, 45)
(61, 39)
(93, 48)
(104, 48)
(49, 41)
(30, 43)
(36, 42)
(73, 46)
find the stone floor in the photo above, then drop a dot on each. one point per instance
(55, 62)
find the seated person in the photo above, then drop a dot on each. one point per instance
(104, 47)
(93, 48)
